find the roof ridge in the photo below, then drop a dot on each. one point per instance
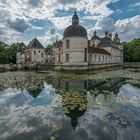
(35, 44)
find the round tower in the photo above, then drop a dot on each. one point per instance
(75, 43)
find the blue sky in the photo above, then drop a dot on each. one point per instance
(22, 20)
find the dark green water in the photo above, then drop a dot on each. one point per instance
(102, 105)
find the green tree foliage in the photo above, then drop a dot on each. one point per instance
(132, 51)
(49, 48)
(58, 43)
(8, 53)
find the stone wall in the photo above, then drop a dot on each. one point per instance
(76, 50)
(131, 64)
(83, 67)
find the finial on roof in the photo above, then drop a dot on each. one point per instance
(75, 11)
(106, 33)
(95, 33)
(75, 18)
(116, 34)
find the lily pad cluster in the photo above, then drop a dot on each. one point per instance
(73, 100)
(20, 80)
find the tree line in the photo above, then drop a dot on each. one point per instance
(8, 52)
(132, 51)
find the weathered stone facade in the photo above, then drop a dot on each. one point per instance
(32, 54)
(79, 53)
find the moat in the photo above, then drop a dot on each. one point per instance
(97, 105)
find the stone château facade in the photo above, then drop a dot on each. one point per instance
(34, 53)
(79, 53)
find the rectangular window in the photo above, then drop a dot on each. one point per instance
(99, 58)
(85, 54)
(39, 51)
(59, 49)
(59, 58)
(67, 44)
(42, 55)
(34, 52)
(67, 57)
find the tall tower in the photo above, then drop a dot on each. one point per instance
(75, 44)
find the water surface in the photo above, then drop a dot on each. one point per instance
(98, 105)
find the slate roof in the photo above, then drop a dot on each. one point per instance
(35, 44)
(75, 31)
(21, 49)
(95, 37)
(105, 42)
(97, 50)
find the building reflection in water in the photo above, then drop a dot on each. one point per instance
(75, 102)
(77, 95)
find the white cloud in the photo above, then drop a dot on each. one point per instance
(22, 12)
(128, 28)
(48, 38)
(119, 11)
(137, 4)
(61, 22)
(102, 25)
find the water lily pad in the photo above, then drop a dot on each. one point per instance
(52, 138)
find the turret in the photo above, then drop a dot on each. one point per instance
(116, 39)
(110, 35)
(95, 40)
(106, 33)
(75, 19)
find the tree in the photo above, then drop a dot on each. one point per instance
(132, 51)
(49, 48)
(8, 53)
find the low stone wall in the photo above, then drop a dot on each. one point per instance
(84, 67)
(8, 67)
(35, 66)
(131, 64)
(45, 67)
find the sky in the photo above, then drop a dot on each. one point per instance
(23, 20)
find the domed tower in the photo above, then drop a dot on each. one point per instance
(95, 40)
(75, 43)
